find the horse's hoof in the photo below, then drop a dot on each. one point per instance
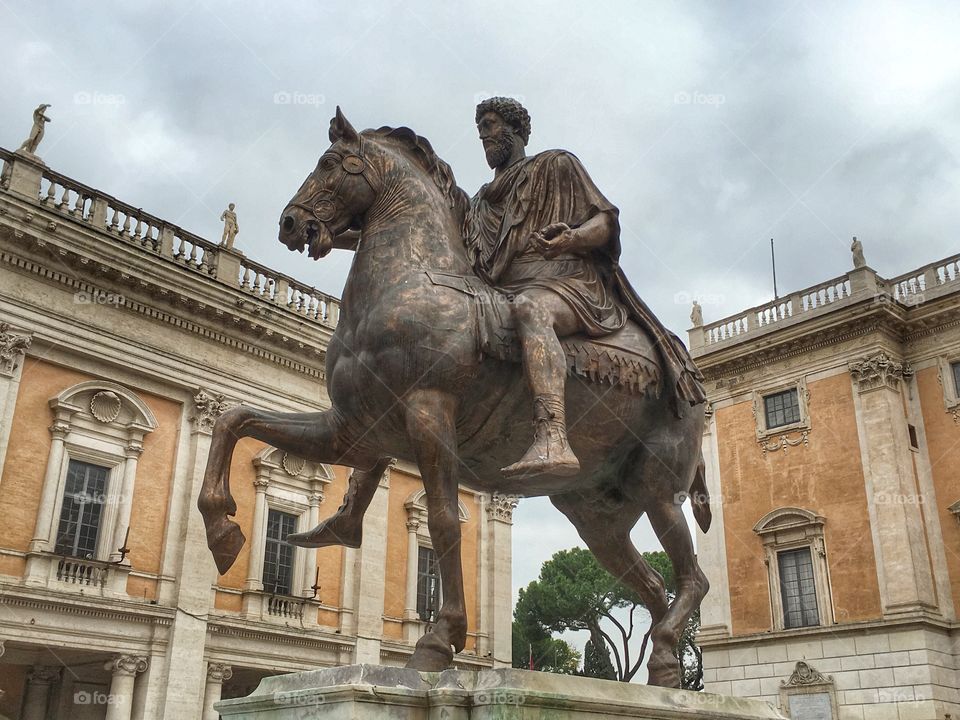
(432, 654)
(328, 533)
(225, 545)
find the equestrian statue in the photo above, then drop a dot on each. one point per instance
(460, 320)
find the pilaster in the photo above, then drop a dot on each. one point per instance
(500, 603)
(13, 347)
(711, 547)
(893, 497)
(197, 573)
(371, 560)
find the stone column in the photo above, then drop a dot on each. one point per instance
(258, 534)
(43, 531)
(371, 561)
(133, 451)
(310, 554)
(37, 696)
(13, 346)
(411, 620)
(196, 575)
(894, 499)
(500, 521)
(216, 674)
(124, 669)
(38, 564)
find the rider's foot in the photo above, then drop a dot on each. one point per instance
(341, 529)
(550, 453)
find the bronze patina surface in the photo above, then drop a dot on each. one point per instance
(461, 318)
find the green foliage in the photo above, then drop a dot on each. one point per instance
(596, 661)
(550, 654)
(574, 592)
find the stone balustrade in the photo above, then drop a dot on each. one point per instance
(77, 571)
(154, 236)
(910, 289)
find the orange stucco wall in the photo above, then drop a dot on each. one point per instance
(826, 478)
(26, 461)
(943, 446)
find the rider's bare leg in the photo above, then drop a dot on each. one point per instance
(542, 318)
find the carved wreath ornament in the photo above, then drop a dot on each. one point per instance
(803, 674)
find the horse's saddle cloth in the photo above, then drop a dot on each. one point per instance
(625, 358)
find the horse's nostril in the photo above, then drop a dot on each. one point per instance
(288, 224)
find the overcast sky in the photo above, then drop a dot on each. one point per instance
(712, 126)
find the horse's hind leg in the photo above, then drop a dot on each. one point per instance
(671, 527)
(606, 531)
(313, 436)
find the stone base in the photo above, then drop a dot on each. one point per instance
(360, 692)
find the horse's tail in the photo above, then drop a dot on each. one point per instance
(700, 497)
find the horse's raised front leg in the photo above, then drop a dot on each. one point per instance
(431, 429)
(313, 436)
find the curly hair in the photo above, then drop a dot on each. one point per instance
(510, 110)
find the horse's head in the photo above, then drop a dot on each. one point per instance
(334, 196)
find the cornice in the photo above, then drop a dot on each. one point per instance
(86, 606)
(227, 628)
(208, 332)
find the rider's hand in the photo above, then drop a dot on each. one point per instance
(554, 239)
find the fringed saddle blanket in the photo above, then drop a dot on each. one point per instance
(625, 358)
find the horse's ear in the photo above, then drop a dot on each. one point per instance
(340, 128)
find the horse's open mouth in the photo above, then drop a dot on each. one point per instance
(319, 240)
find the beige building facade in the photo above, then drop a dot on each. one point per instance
(833, 461)
(122, 339)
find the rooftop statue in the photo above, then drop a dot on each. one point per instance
(40, 119)
(461, 316)
(856, 248)
(230, 227)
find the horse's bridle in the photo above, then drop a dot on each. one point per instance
(322, 204)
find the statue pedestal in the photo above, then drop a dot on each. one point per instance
(362, 692)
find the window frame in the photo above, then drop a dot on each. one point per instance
(297, 517)
(781, 554)
(760, 409)
(791, 528)
(104, 457)
(298, 573)
(438, 594)
(104, 505)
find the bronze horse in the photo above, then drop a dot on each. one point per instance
(406, 380)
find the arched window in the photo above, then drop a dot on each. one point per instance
(84, 516)
(797, 571)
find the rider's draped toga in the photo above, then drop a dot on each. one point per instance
(551, 187)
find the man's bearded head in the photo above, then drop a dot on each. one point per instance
(514, 115)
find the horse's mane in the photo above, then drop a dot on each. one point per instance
(439, 171)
